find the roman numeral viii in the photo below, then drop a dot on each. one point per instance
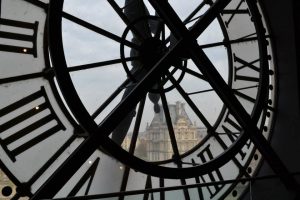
(18, 36)
(42, 126)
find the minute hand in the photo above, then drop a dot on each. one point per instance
(177, 28)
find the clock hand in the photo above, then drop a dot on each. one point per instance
(133, 10)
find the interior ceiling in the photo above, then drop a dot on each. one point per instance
(284, 23)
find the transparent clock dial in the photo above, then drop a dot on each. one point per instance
(180, 122)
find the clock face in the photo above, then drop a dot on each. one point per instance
(102, 97)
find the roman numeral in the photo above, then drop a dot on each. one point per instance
(206, 155)
(36, 124)
(233, 12)
(26, 41)
(232, 123)
(245, 65)
(244, 96)
(233, 135)
(87, 176)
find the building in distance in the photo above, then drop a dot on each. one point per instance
(155, 144)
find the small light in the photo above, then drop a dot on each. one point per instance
(37, 107)
(121, 167)
(25, 50)
(90, 162)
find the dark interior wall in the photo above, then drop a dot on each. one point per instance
(284, 26)
(296, 14)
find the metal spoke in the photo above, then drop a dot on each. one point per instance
(170, 126)
(196, 10)
(201, 91)
(194, 19)
(99, 64)
(189, 18)
(99, 30)
(226, 43)
(133, 143)
(191, 104)
(127, 83)
(110, 98)
(244, 88)
(211, 90)
(137, 125)
(176, 156)
(192, 72)
(208, 17)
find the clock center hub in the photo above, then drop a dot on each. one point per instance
(151, 50)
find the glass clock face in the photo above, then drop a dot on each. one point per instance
(133, 99)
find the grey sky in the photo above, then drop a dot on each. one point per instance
(95, 85)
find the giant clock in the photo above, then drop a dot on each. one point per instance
(79, 79)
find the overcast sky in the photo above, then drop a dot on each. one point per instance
(83, 46)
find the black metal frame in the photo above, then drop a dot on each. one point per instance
(100, 133)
